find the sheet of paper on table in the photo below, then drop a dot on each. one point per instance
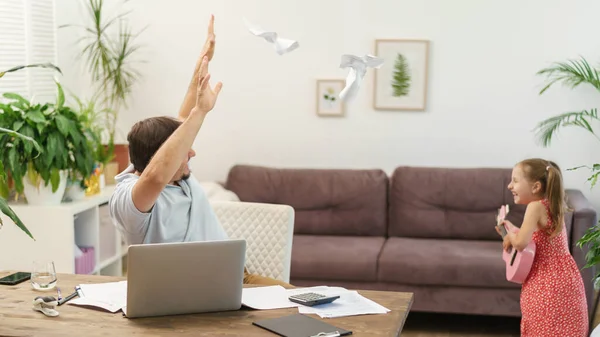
(266, 298)
(350, 303)
(111, 296)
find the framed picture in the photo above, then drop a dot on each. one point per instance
(328, 98)
(401, 82)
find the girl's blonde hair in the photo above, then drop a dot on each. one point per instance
(550, 177)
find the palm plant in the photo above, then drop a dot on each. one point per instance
(108, 60)
(573, 73)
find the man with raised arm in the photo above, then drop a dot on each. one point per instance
(157, 200)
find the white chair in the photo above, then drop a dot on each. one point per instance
(268, 230)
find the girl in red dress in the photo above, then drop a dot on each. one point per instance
(553, 301)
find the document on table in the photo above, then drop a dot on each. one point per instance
(265, 298)
(350, 303)
(111, 296)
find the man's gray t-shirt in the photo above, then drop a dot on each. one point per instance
(181, 213)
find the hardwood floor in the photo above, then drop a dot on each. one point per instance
(444, 325)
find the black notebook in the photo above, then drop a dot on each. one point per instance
(299, 325)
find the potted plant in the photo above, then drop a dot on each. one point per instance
(91, 117)
(42, 175)
(8, 132)
(108, 51)
(573, 73)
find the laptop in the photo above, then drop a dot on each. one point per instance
(184, 278)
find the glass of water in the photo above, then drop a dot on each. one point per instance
(43, 275)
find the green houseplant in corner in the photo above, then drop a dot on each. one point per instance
(573, 73)
(42, 175)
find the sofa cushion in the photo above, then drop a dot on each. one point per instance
(456, 203)
(443, 263)
(330, 202)
(326, 257)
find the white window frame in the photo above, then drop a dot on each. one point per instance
(28, 35)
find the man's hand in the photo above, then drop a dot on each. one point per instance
(207, 51)
(209, 45)
(205, 95)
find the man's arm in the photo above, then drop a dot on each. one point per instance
(208, 50)
(173, 152)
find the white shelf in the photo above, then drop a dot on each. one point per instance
(74, 207)
(56, 229)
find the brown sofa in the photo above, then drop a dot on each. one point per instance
(429, 231)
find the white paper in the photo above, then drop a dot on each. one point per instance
(358, 68)
(325, 290)
(281, 45)
(265, 298)
(111, 296)
(350, 303)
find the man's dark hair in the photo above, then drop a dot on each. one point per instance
(146, 137)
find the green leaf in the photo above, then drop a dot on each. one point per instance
(28, 131)
(54, 179)
(571, 73)
(4, 192)
(40, 128)
(64, 125)
(78, 138)
(5, 208)
(17, 125)
(26, 137)
(35, 65)
(23, 104)
(60, 101)
(546, 129)
(17, 176)
(13, 160)
(36, 116)
(54, 147)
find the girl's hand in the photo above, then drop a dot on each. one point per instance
(510, 227)
(506, 244)
(498, 230)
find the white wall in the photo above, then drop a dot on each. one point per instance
(483, 97)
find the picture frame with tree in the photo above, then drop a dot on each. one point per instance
(401, 82)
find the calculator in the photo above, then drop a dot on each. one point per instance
(310, 299)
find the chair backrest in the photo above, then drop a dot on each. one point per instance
(268, 230)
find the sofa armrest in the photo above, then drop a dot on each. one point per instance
(583, 217)
(268, 230)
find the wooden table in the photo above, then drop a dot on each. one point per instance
(17, 318)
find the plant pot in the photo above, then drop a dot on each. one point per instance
(74, 192)
(110, 171)
(42, 194)
(122, 156)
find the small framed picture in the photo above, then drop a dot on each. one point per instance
(401, 83)
(329, 103)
